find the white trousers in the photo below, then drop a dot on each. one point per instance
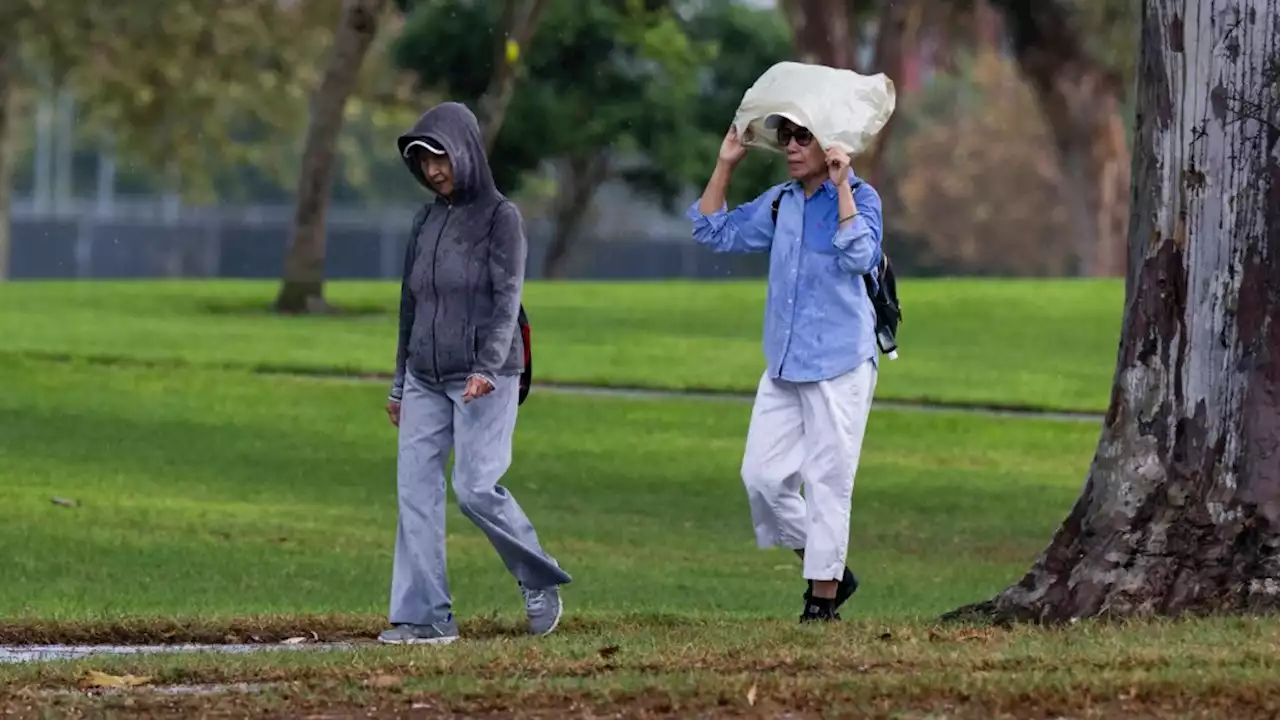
(810, 435)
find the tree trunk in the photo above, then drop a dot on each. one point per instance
(820, 30)
(895, 37)
(1081, 100)
(578, 180)
(302, 289)
(519, 21)
(1181, 509)
(7, 81)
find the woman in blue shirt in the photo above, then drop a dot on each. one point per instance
(812, 403)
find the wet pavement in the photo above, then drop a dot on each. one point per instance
(48, 653)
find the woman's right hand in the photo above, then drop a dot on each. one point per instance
(393, 412)
(731, 149)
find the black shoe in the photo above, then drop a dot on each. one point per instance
(848, 586)
(819, 610)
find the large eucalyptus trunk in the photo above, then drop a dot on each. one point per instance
(302, 289)
(1181, 509)
(1081, 100)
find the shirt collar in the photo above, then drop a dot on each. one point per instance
(828, 188)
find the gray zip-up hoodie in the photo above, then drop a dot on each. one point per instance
(464, 268)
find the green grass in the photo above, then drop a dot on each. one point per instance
(212, 504)
(1209, 669)
(1042, 343)
(215, 493)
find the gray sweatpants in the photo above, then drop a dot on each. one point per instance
(434, 420)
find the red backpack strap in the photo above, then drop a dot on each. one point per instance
(526, 334)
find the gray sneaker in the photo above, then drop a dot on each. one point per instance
(543, 608)
(441, 633)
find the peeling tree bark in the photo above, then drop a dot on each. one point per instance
(820, 30)
(519, 21)
(7, 82)
(1181, 509)
(302, 289)
(1081, 101)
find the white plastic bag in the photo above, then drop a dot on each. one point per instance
(840, 107)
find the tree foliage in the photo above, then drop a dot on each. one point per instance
(181, 84)
(654, 89)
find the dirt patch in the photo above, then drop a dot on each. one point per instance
(159, 631)
(338, 703)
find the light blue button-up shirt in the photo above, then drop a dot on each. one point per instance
(818, 321)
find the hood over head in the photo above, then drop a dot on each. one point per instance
(452, 128)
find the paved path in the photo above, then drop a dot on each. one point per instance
(48, 653)
(631, 392)
(740, 397)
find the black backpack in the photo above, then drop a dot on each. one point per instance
(882, 288)
(522, 319)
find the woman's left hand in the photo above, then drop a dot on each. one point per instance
(477, 387)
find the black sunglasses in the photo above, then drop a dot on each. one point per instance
(801, 135)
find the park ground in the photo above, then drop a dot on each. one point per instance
(178, 465)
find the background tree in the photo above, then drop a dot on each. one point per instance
(302, 287)
(158, 75)
(624, 91)
(824, 31)
(1082, 99)
(518, 22)
(1180, 512)
(8, 101)
(975, 151)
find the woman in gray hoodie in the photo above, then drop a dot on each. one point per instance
(456, 387)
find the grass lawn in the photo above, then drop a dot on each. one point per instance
(207, 504)
(1206, 669)
(217, 493)
(1041, 343)
(222, 505)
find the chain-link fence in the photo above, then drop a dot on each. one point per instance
(154, 239)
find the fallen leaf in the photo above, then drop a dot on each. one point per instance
(383, 681)
(95, 679)
(751, 695)
(609, 651)
(293, 641)
(65, 502)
